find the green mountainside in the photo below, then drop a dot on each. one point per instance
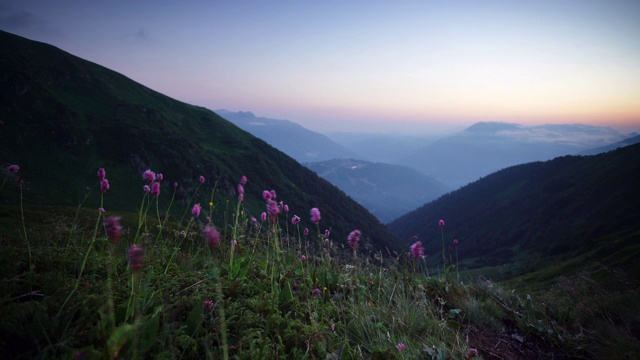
(568, 208)
(62, 118)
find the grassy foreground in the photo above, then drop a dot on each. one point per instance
(75, 286)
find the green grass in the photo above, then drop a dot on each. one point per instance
(67, 291)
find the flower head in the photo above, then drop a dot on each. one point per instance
(195, 211)
(306, 231)
(263, 216)
(473, 352)
(14, 168)
(316, 292)
(441, 223)
(266, 195)
(400, 347)
(146, 188)
(315, 215)
(113, 228)
(416, 250)
(102, 174)
(295, 219)
(101, 210)
(155, 189)
(208, 304)
(104, 185)
(455, 242)
(134, 255)
(201, 179)
(149, 176)
(273, 194)
(211, 236)
(241, 197)
(159, 177)
(272, 208)
(243, 180)
(240, 189)
(354, 238)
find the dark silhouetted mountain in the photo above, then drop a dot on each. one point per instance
(487, 147)
(294, 140)
(387, 191)
(62, 118)
(535, 211)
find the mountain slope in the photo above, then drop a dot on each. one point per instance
(388, 191)
(534, 211)
(626, 142)
(63, 117)
(292, 139)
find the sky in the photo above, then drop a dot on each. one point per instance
(367, 66)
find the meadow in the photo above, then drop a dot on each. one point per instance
(175, 282)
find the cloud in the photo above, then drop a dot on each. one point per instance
(140, 35)
(19, 21)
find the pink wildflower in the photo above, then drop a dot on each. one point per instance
(134, 255)
(473, 352)
(327, 233)
(263, 216)
(14, 168)
(102, 174)
(113, 228)
(316, 292)
(303, 258)
(159, 177)
(149, 176)
(241, 197)
(306, 231)
(455, 242)
(286, 208)
(104, 185)
(212, 236)
(254, 220)
(243, 180)
(146, 188)
(315, 215)
(155, 189)
(272, 208)
(266, 195)
(295, 219)
(240, 189)
(201, 179)
(175, 185)
(273, 194)
(196, 210)
(354, 238)
(400, 347)
(101, 210)
(208, 304)
(441, 223)
(416, 250)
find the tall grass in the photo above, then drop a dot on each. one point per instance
(262, 292)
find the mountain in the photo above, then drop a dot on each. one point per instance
(533, 212)
(62, 118)
(486, 147)
(294, 140)
(388, 191)
(626, 142)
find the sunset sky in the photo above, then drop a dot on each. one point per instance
(364, 65)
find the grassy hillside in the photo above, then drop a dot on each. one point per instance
(62, 118)
(535, 210)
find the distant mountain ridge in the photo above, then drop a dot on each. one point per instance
(294, 140)
(487, 147)
(63, 117)
(388, 191)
